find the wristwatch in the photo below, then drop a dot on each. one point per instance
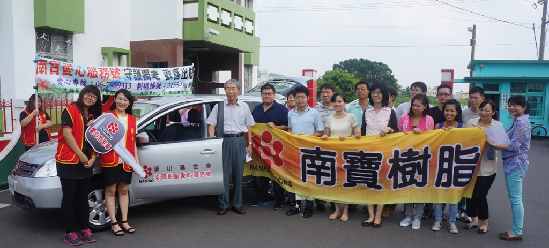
(249, 143)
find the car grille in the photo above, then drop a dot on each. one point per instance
(24, 169)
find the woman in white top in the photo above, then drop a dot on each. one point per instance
(342, 125)
(477, 206)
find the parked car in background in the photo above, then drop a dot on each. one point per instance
(282, 85)
(179, 160)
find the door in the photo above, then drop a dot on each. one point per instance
(180, 167)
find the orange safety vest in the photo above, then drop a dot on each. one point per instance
(106, 107)
(29, 135)
(110, 159)
(64, 152)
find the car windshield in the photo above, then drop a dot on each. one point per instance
(280, 85)
(140, 109)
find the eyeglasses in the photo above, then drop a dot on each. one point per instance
(231, 89)
(267, 94)
(444, 94)
(91, 96)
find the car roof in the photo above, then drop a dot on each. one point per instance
(168, 100)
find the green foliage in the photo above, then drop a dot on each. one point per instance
(343, 81)
(369, 71)
(432, 100)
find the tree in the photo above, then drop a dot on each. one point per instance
(343, 81)
(369, 71)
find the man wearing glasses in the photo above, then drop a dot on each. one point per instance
(415, 88)
(303, 120)
(237, 120)
(275, 115)
(362, 88)
(444, 93)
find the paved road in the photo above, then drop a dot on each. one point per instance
(192, 222)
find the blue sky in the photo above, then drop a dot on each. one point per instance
(416, 38)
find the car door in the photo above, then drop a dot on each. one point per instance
(180, 168)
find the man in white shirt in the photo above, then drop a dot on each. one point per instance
(415, 88)
(476, 97)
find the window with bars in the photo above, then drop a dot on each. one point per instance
(534, 93)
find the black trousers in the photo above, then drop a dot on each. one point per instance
(261, 189)
(75, 203)
(293, 202)
(477, 206)
(279, 193)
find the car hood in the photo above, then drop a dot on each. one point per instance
(40, 153)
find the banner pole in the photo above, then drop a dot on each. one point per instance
(36, 105)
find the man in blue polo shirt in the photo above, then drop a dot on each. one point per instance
(303, 120)
(275, 115)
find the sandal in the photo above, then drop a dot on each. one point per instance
(334, 216)
(130, 230)
(482, 231)
(470, 227)
(119, 232)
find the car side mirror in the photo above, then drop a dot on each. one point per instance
(142, 138)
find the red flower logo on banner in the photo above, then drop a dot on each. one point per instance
(270, 153)
(113, 127)
(148, 171)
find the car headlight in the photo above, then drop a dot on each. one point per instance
(47, 169)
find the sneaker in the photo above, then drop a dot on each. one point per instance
(453, 228)
(425, 216)
(416, 224)
(444, 218)
(436, 226)
(278, 206)
(72, 239)
(406, 222)
(259, 203)
(459, 215)
(88, 235)
(466, 218)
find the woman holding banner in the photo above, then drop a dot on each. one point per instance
(477, 206)
(515, 161)
(342, 125)
(75, 159)
(29, 125)
(417, 120)
(117, 175)
(452, 112)
(379, 120)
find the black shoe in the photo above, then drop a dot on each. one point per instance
(444, 218)
(308, 213)
(292, 211)
(376, 225)
(321, 207)
(352, 207)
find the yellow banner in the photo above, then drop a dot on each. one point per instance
(431, 167)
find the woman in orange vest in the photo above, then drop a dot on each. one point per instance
(29, 126)
(75, 158)
(117, 175)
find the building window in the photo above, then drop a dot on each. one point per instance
(491, 87)
(54, 44)
(534, 93)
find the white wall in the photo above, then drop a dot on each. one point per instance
(102, 28)
(17, 48)
(154, 20)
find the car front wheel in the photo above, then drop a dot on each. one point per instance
(98, 216)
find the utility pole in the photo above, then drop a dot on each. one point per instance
(543, 31)
(473, 44)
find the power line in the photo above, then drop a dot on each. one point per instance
(387, 46)
(367, 26)
(378, 5)
(485, 16)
